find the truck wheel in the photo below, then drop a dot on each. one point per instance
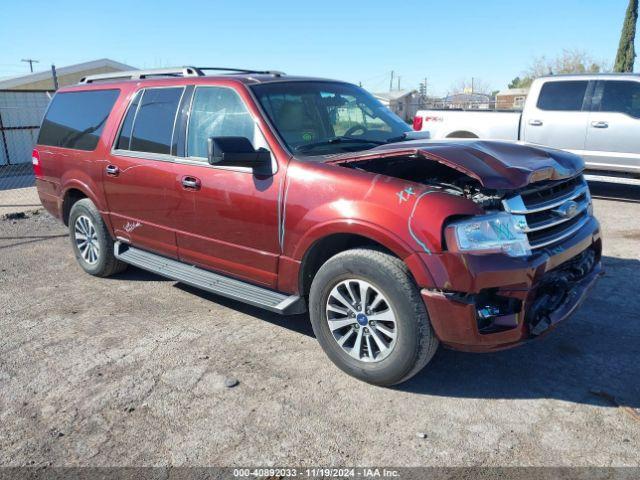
(369, 317)
(91, 241)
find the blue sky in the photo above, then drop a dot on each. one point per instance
(445, 41)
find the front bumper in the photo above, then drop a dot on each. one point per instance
(536, 293)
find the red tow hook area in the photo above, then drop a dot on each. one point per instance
(459, 320)
(545, 318)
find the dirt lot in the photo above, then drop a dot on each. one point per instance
(132, 370)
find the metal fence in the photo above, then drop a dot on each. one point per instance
(21, 112)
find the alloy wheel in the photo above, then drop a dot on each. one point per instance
(361, 320)
(86, 238)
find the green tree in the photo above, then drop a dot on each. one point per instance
(515, 83)
(626, 52)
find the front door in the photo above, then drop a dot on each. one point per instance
(559, 117)
(138, 174)
(227, 217)
(613, 133)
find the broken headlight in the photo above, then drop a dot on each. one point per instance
(495, 233)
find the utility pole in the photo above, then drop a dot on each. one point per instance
(30, 61)
(423, 92)
(55, 76)
(399, 77)
(391, 81)
(472, 79)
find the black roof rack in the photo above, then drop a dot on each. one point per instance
(171, 72)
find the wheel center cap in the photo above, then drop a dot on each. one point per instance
(362, 319)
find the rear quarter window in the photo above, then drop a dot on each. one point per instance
(76, 119)
(150, 121)
(563, 95)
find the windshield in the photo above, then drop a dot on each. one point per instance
(321, 118)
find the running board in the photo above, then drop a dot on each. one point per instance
(211, 282)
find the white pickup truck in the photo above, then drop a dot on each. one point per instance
(594, 116)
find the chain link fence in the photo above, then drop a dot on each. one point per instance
(21, 112)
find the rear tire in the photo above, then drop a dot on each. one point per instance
(91, 242)
(360, 286)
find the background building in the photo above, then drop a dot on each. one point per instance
(467, 101)
(23, 101)
(69, 75)
(404, 103)
(511, 99)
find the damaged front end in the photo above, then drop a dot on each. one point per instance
(532, 197)
(560, 291)
(524, 265)
(483, 171)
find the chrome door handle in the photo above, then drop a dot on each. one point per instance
(191, 183)
(535, 123)
(112, 170)
(599, 124)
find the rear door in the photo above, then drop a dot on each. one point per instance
(138, 174)
(613, 133)
(559, 117)
(226, 217)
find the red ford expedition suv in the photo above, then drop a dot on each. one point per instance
(297, 194)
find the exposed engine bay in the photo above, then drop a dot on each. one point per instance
(432, 174)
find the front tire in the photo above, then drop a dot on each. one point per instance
(92, 244)
(369, 317)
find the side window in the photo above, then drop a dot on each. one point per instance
(148, 126)
(76, 119)
(217, 112)
(622, 97)
(562, 95)
(124, 140)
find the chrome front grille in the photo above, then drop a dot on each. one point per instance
(553, 212)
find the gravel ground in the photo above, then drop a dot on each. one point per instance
(135, 370)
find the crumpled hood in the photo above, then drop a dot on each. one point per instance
(499, 165)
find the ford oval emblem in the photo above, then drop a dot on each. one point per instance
(567, 210)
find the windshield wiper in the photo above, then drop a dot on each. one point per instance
(399, 138)
(335, 140)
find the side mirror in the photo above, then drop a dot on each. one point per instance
(237, 152)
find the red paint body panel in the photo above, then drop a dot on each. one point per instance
(260, 228)
(496, 165)
(214, 229)
(321, 200)
(138, 204)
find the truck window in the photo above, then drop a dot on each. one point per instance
(151, 121)
(621, 97)
(76, 119)
(217, 112)
(124, 140)
(562, 95)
